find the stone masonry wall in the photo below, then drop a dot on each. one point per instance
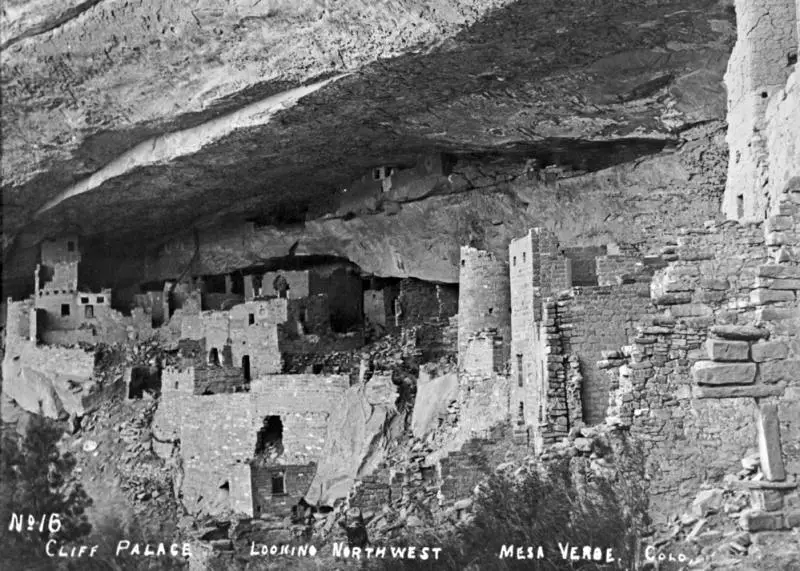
(757, 71)
(714, 373)
(484, 296)
(613, 270)
(296, 480)
(219, 431)
(597, 319)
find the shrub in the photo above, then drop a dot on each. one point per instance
(552, 508)
(36, 480)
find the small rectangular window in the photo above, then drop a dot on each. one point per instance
(70, 246)
(523, 257)
(251, 319)
(515, 260)
(64, 310)
(740, 206)
(101, 299)
(278, 487)
(84, 300)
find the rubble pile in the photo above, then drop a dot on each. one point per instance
(743, 523)
(392, 352)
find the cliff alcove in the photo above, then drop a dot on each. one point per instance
(335, 262)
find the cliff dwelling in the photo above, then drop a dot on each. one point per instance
(347, 276)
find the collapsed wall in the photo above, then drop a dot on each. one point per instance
(48, 380)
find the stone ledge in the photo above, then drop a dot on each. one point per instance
(714, 373)
(751, 391)
(789, 484)
(740, 332)
(779, 271)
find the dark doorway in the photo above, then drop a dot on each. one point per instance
(278, 484)
(213, 357)
(246, 367)
(257, 284)
(64, 310)
(281, 286)
(269, 442)
(144, 379)
(237, 284)
(519, 370)
(227, 354)
(88, 311)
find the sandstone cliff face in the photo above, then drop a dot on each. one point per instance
(97, 91)
(484, 204)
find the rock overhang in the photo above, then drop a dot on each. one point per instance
(529, 75)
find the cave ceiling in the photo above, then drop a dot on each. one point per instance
(131, 120)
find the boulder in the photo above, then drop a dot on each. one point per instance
(707, 502)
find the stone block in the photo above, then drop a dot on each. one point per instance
(778, 223)
(762, 296)
(714, 284)
(740, 332)
(768, 351)
(777, 238)
(766, 500)
(725, 350)
(786, 370)
(777, 314)
(785, 284)
(779, 271)
(691, 310)
(769, 442)
(755, 520)
(792, 185)
(713, 373)
(741, 391)
(793, 518)
(672, 298)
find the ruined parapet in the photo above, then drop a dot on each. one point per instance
(764, 56)
(484, 297)
(60, 259)
(177, 380)
(615, 270)
(20, 323)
